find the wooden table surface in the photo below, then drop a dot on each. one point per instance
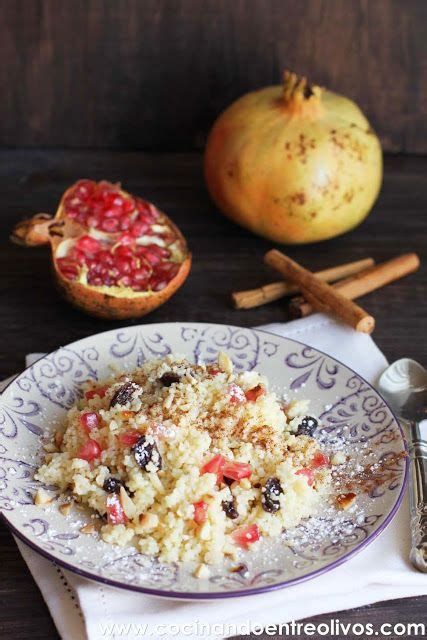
(226, 258)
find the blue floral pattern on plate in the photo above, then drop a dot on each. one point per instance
(37, 400)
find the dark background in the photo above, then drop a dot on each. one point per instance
(105, 88)
(153, 74)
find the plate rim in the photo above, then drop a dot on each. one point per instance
(219, 595)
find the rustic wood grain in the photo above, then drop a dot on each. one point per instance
(226, 258)
(155, 74)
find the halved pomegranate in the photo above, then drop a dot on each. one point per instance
(114, 255)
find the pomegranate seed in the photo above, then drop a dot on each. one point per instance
(236, 394)
(200, 512)
(320, 460)
(100, 391)
(309, 473)
(236, 470)
(110, 225)
(123, 265)
(89, 451)
(252, 395)
(129, 438)
(88, 244)
(125, 281)
(139, 227)
(68, 268)
(214, 466)
(115, 512)
(89, 421)
(123, 251)
(244, 536)
(129, 205)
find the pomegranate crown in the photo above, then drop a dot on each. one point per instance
(298, 92)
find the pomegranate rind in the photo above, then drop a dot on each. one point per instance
(99, 301)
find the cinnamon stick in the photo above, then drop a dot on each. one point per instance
(321, 295)
(364, 282)
(269, 292)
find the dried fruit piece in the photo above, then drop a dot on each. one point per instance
(146, 453)
(229, 508)
(114, 256)
(307, 426)
(112, 485)
(124, 395)
(169, 378)
(270, 495)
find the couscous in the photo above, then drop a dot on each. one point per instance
(190, 462)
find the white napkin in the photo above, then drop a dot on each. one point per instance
(84, 609)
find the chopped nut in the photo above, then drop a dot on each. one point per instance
(88, 528)
(42, 498)
(225, 362)
(205, 531)
(245, 483)
(339, 457)
(148, 521)
(202, 571)
(58, 438)
(127, 504)
(50, 447)
(345, 500)
(65, 508)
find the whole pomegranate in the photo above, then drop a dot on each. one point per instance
(294, 163)
(114, 255)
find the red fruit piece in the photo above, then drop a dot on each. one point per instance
(129, 438)
(236, 394)
(214, 466)
(69, 268)
(87, 244)
(99, 391)
(90, 420)
(200, 512)
(252, 395)
(89, 451)
(320, 460)
(309, 473)
(115, 512)
(236, 470)
(245, 536)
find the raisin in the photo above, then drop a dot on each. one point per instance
(124, 394)
(112, 485)
(270, 495)
(230, 509)
(169, 378)
(307, 426)
(145, 452)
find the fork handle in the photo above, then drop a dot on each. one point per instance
(418, 498)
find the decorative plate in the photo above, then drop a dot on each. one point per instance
(350, 409)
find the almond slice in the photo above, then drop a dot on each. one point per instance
(65, 508)
(127, 504)
(225, 362)
(42, 498)
(88, 528)
(345, 500)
